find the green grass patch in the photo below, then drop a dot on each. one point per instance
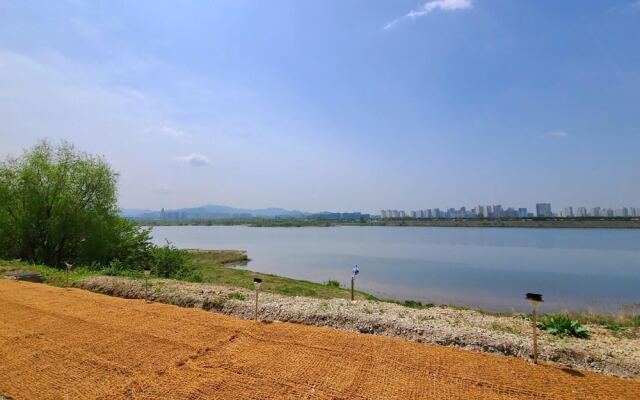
(609, 321)
(236, 296)
(332, 283)
(410, 303)
(561, 325)
(498, 327)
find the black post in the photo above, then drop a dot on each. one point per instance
(352, 280)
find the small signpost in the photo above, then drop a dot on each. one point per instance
(534, 299)
(66, 273)
(256, 283)
(147, 272)
(356, 271)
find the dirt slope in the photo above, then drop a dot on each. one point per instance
(72, 344)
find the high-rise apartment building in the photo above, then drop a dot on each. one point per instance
(543, 210)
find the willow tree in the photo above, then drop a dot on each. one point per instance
(59, 205)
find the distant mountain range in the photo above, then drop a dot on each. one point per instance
(133, 212)
(210, 212)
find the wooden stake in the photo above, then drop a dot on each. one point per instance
(534, 326)
(66, 274)
(352, 280)
(257, 290)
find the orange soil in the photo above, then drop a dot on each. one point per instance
(72, 344)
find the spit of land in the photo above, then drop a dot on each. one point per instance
(73, 344)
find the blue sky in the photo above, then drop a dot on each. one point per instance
(334, 105)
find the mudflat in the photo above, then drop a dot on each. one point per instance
(73, 344)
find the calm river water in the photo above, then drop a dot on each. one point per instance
(491, 268)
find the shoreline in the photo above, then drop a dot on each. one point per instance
(560, 223)
(241, 264)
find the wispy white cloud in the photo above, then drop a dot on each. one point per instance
(429, 6)
(168, 131)
(558, 134)
(194, 159)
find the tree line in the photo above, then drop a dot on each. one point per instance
(58, 205)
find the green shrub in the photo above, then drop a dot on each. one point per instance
(236, 296)
(171, 262)
(332, 283)
(417, 304)
(194, 277)
(614, 326)
(412, 304)
(115, 268)
(561, 325)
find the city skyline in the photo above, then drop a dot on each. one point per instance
(498, 211)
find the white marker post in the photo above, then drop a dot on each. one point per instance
(534, 299)
(147, 272)
(66, 273)
(356, 271)
(257, 282)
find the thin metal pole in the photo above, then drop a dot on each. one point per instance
(352, 280)
(146, 284)
(534, 325)
(66, 276)
(257, 303)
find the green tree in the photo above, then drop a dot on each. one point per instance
(59, 205)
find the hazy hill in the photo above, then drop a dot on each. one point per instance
(211, 211)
